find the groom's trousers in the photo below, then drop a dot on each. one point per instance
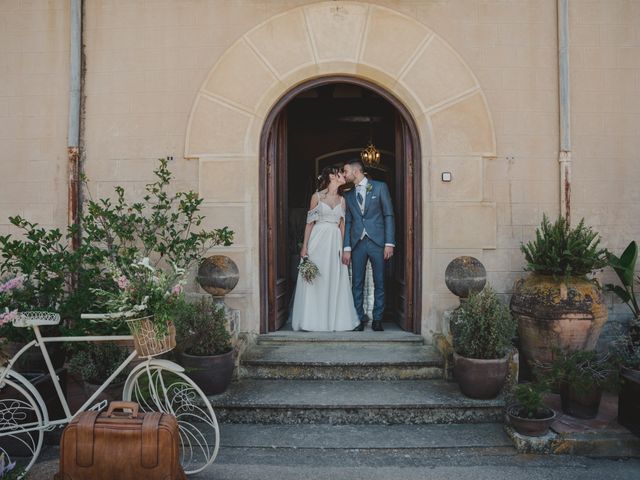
(365, 250)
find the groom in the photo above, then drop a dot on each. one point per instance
(369, 235)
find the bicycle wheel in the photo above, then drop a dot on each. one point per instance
(21, 423)
(156, 388)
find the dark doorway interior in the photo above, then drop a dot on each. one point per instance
(328, 125)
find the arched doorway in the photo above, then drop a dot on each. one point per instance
(403, 175)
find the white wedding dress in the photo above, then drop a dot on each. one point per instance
(326, 305)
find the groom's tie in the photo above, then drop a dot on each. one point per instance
(360, 199)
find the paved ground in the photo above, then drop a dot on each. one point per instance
(296, 464)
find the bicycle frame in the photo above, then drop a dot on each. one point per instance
(41, 342)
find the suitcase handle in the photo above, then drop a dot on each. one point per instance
(133, 406)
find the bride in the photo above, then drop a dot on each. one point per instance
(326, 304)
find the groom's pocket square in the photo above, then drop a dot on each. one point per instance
(373, 197)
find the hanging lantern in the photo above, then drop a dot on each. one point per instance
(370, 156)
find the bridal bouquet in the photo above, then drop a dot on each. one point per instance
(308, 270)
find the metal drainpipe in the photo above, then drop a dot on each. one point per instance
(73, 139)
(565, 109)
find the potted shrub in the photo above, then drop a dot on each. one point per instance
(626, 348)
(93, 363)
(529, 416)
(482, 329)
(581, 376)
(205, 348)
(556, 305)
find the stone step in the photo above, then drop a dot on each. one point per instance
(392, 402)
(339, 361)
(366, 437)
(392, 334)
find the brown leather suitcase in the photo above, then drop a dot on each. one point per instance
(104, 446)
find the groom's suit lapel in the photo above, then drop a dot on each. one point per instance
(368, 196)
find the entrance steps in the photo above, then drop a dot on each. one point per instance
(350, 378)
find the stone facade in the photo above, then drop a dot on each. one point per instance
(195, 80)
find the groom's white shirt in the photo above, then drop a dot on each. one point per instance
(361, 188)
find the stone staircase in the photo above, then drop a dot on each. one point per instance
(366, 379)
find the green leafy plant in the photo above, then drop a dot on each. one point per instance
(530, 400)
(8, 469)
(95, 362)
(581, 370)
(201, 328)
(561, 250)
(483, 327)
(161, 227)
(625, 349)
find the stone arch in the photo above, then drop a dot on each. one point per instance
(331, 38)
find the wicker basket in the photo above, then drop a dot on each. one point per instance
(147, 340)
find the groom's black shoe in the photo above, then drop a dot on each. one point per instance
(376, 326)
(360, 328)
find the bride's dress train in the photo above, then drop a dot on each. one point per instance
(325, 305)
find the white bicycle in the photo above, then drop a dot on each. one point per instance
(155, 384)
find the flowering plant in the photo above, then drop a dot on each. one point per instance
(8, 469)
(7, 288)
(142, 290)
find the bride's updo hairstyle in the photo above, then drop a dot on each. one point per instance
(323, 178)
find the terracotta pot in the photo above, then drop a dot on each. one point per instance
(531, 427)
(212, 373)
(580, 404)
(557, 312)
(629, 400)
(480, 378)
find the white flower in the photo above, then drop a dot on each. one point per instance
(145, 263)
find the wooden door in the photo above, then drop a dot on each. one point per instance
(403, 203)
(277, 264)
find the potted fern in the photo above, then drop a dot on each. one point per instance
(483, 330)
(204, 345)
(557, 305)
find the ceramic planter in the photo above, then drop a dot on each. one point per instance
(531, 427)
(557, 312)
(480, 378)
(580, 404)
(212, 373)
(629, 400)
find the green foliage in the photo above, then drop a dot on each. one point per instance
(530, 397)
(162, 227)
(483, 327)
(95, 362)
(564, 251)
(625, 349)
(582, 370)
(201, 328)
(625, 268)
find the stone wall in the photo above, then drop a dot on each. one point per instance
(151, 66)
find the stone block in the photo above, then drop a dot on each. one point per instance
(467, 179)
(438, 74)
(283, 42)
(336, 29)
(216, 128)
(464, 128)
(464, 226)
(387, 52)
(224, 180)
(240, 76)
(232, 216)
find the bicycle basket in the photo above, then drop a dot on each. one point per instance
(30, 319)
(147, 339)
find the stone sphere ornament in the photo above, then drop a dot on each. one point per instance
(465, 275)
(218, 275)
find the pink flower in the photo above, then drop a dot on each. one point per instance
(123, 282)
(13, 284)
(8, 316)
(177, 289)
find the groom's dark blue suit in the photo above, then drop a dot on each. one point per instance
(367, 231)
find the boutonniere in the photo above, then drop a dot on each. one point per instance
(369, 187)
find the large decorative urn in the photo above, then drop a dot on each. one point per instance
(557, 312)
